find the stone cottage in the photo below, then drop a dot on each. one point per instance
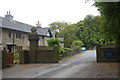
(14, 34)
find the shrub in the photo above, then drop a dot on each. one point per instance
(55, 42)
(76, 48)
(16, 57)
(78, 43)
(66, 49)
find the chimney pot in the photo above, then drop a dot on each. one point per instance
(7, 12)
(38, 25)
(9, 16)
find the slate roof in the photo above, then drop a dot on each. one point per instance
(19, 26)
(15, 25)
(44, 31)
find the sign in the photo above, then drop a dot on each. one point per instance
(109, 53)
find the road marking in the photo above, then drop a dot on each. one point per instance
(50, 70)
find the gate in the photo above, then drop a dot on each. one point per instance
(10, 59)
(7, 59)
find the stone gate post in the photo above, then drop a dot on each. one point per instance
(33, 38)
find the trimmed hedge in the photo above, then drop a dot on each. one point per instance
(55, 42)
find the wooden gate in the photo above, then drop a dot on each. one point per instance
(10, 59)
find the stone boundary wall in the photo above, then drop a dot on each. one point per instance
(47, 55)
(107, 53)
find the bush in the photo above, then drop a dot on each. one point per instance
(55, 42)
(16, 57)
(76, 48)
(78, 43)
(66, 49)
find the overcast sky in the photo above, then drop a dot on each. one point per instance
(47, 11)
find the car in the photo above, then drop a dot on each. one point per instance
(83, 49)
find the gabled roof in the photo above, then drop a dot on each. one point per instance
(19, 26)
(15, 25)
(44, 31)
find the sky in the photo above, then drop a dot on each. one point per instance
(47, 11)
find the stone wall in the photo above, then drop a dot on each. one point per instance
(5, 37)
(47, 55)
(107, 53)
(23, 41)
(43, 41)
(24, 57)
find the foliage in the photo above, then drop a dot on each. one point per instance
(78, 43)
(57, 26)
(90, 32)
(66, 49)
(55, 42)
(60, 56)
(69, 34)
(76, 48)
(110, 13)
(16, 57)
(65, 30)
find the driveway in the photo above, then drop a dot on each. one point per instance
(81, 65)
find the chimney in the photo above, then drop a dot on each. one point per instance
(9, 16)
(38, 25)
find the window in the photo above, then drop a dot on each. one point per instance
(10, 34)
(18, 35)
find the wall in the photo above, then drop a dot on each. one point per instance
(1, 38)
(43, 41)
(107, 53)
(23, 41)
(5, 37)
(47, 55)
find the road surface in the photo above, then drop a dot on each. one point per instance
(81, 65)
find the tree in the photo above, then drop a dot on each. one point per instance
(65, 30)
(57, 26)
(89, 31)
(78, 43)
(69, 34)
(110, 13)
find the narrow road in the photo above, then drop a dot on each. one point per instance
(82, 65)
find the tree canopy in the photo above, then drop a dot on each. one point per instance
(90, 32)
(110, 13)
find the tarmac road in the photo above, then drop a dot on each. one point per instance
(81, 65)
